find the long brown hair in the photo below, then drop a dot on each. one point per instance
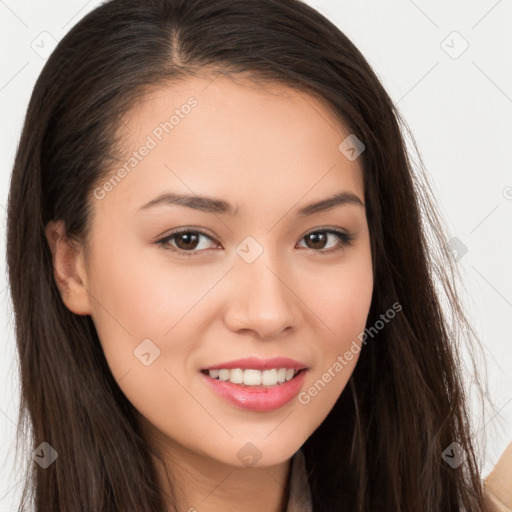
(381, 446)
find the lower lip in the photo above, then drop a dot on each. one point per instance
(257, 399)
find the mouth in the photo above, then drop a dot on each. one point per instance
(251, 389)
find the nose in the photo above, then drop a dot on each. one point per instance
(263, 299)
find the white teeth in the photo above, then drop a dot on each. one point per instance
(290, 373)
(251, 377)
(254, 377)
(224, 374)
(269, 377)
(236, 376)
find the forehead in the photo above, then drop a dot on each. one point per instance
(223, 137)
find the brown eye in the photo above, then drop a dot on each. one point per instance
(186, 241)
(317, 240)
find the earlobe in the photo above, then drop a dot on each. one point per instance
(68, 269)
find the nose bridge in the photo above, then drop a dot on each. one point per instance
(263, 300)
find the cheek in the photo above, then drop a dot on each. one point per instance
(340, 297)
(130, 304)
(341, 301)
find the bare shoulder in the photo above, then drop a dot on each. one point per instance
(498, 485)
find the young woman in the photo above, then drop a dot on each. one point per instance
(222, 271)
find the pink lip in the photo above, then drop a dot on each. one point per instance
(259, 364)
(254, 398)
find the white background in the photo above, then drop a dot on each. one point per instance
(459, 110)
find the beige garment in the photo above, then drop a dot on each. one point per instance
(498, 485)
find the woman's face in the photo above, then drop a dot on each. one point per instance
(266, 280)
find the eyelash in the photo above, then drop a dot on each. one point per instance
(345, 239)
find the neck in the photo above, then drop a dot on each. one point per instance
(198, 483)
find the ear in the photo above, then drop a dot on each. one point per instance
(69, 269)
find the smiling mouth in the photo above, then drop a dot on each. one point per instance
(252, 378)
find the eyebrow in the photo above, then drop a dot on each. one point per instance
(214, 205)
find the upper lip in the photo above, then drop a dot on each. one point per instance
(258, 364)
